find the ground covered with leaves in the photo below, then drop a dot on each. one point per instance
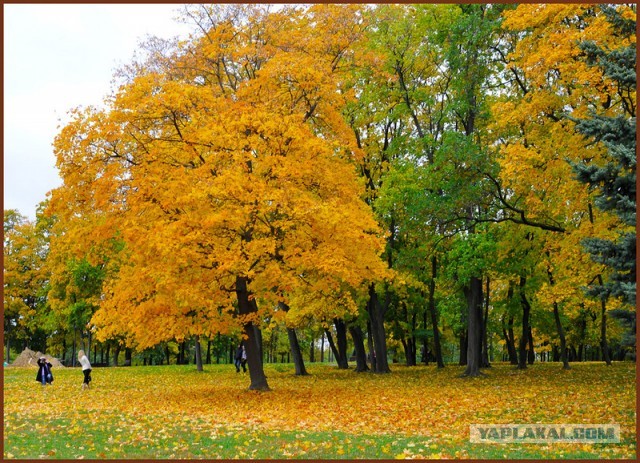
(421, 412)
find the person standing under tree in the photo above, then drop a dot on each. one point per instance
(86, 368)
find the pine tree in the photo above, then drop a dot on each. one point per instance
(615, 181)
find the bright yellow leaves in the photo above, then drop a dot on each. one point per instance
(230, 159)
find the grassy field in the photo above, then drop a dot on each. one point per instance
(421, 412)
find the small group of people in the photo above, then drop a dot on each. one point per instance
(241, 359)
(45, 377)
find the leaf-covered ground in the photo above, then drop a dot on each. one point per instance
(421, 412)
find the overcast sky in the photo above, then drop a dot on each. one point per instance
(57, 57)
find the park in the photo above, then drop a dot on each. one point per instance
(337, 231)
(176, 412)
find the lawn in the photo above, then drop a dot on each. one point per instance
(421, 412)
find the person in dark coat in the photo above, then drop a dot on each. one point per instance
(44, 375)
(241, 359)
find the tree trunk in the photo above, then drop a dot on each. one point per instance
(474, 324)
(604, 345)
(336, 352)
(372, 356)
(128, 355)
(198, 354)
(256, 370)
(531, 354)
(322, 347)
(484, 363)
(434, 314)
(294, 346)
(510, 341)
(296, 353)
(341, 339)
(208, 357)
(376, 316)
(526, 310)
(116, 354)
(563, 341)
(358, 343)
(464, 343)
(312, 350)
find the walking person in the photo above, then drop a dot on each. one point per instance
(241, 359)
(44, 375)
(86, 369)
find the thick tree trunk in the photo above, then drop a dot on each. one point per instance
(376, 316)
(341, 339)
(434, 314)
(526, 310)
(256, 371)
(464, 343)
(296, 353)
(358, 343)
(531, 353)
(116, 355)
(474, 324)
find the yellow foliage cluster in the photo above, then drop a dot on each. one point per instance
(230, 161)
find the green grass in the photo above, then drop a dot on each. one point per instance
(175, 412)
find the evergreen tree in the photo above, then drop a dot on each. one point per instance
(615, 180)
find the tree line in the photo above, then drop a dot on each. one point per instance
(406, 181)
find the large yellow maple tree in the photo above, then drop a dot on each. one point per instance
(227, 173)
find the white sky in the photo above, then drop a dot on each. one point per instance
(57, 57)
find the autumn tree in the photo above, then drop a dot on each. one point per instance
(25, 250)
(227, 175)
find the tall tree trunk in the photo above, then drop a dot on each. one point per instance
(563, 341)
(376, 316)
(531, 353)
(198, 354)
(484, 363)
(208, 357)
(256, 370)
(526, 310)
(559, 328)
(474, 324)
(294, 346)
(322, 347)
(604, 345)
(296, 353)
(339, 351)
(372, 357)
(358, 343)
(510, 341)
(434, 314)
(464, 343)
(312, 350)
(341, 340)
(116, 355)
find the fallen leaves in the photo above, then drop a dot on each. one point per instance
(417, 412)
